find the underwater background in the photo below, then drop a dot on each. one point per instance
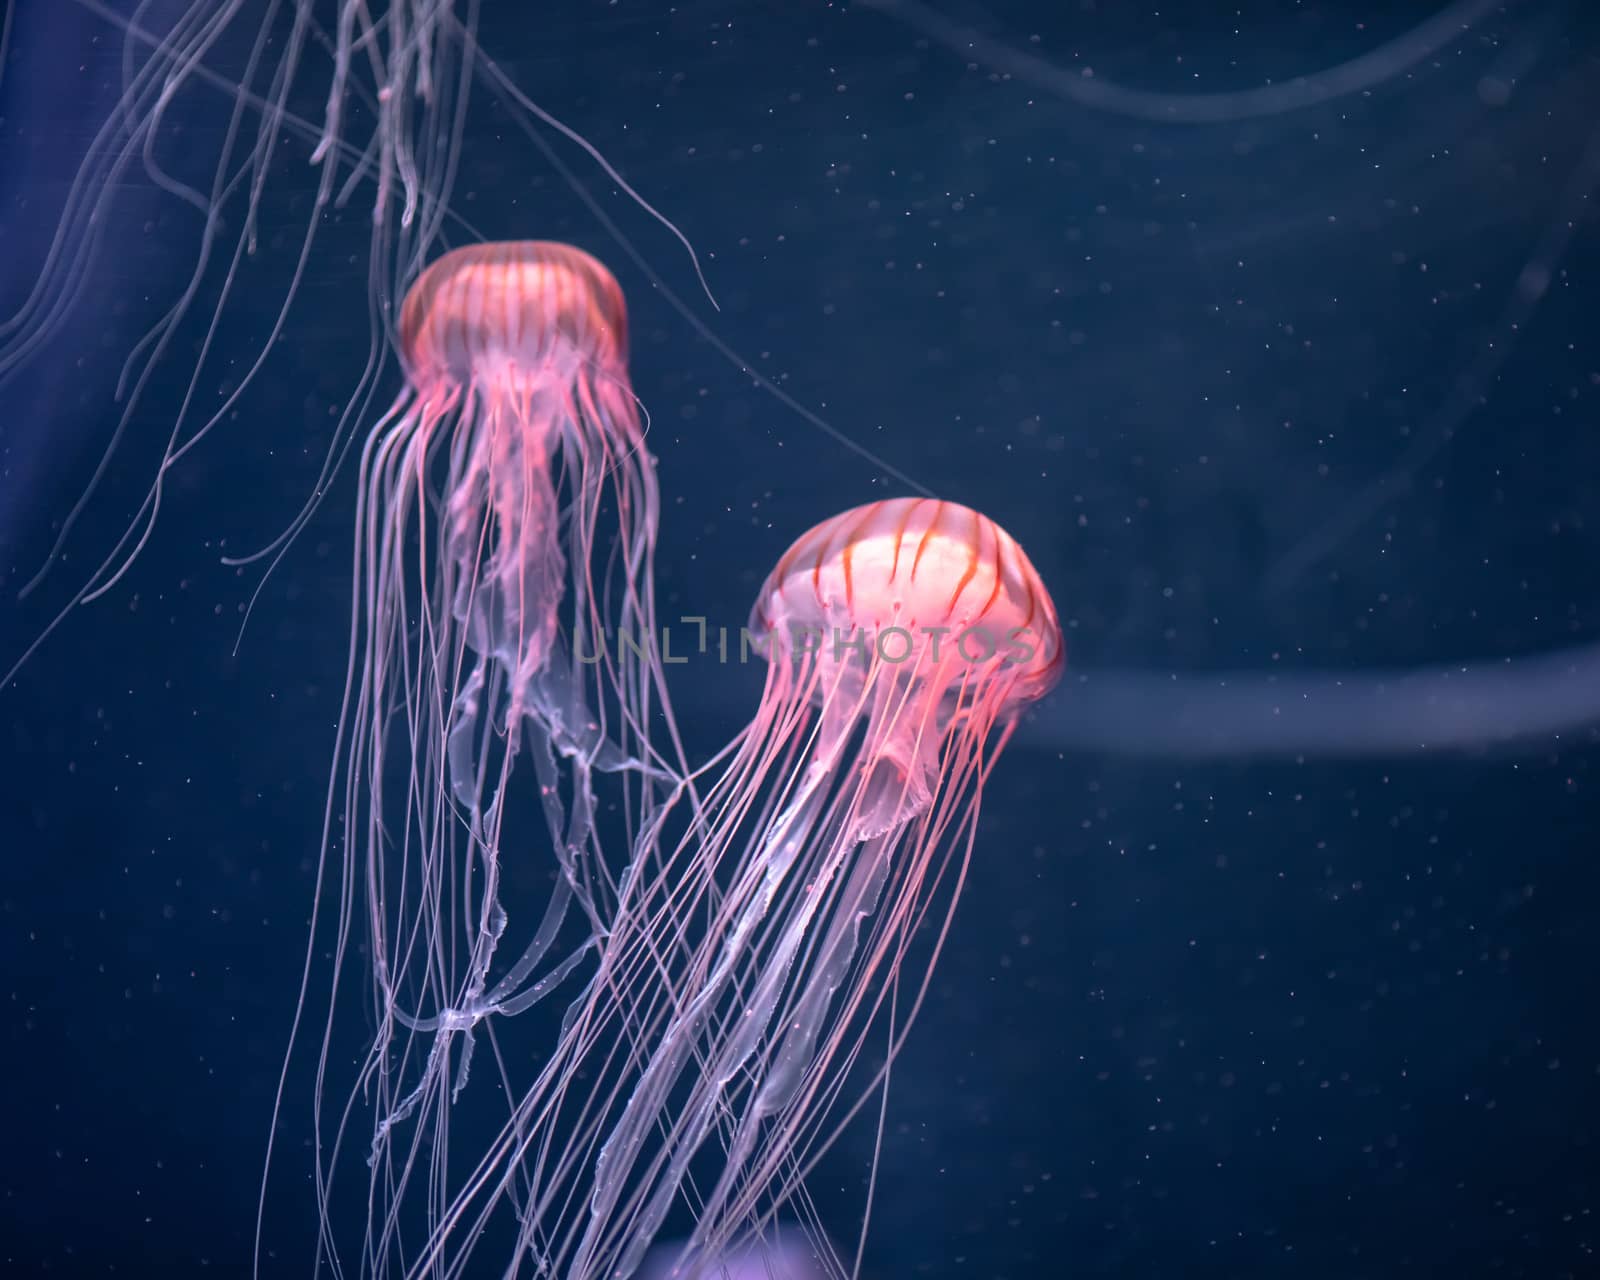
(1204, 1015)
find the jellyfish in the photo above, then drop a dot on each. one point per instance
(505, 527)
(749, 960)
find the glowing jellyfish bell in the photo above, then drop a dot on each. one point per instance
(924, 616)
(506, 527)
(747, 963)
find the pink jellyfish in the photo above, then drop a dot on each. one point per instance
(708, 1061)
(505, 529)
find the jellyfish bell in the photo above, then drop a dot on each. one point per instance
(512, 314)
(905, 610)
(710, 1059)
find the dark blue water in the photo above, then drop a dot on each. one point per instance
(1227, 1017)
